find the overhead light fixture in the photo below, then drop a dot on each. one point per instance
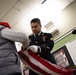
(43, 1)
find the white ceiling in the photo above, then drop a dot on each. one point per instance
(13, 11)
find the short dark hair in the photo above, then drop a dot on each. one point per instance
(36, 20)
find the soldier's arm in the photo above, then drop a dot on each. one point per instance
(48, 45)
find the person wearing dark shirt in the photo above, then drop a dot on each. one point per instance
(41, 42)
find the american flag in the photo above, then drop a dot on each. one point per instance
(42, 66)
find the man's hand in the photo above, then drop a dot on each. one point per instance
(35, 49)
(23, 49)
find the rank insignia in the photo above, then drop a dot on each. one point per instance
(47, 47)
(51, 38)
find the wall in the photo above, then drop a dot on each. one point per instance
(65, 20)
(63, 41)
(70, 42)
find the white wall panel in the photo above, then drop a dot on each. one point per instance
(72, 49)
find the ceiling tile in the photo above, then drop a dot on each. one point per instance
(16, 13)
(5, 7)
(31, 3)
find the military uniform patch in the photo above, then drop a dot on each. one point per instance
(51, 38)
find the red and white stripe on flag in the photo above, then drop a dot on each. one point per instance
(42, 66)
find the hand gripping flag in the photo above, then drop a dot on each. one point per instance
(42, 66)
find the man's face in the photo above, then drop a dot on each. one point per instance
(36, 28)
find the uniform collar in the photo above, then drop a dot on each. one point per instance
(38, 34)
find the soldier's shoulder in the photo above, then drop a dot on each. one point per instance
(47, 33)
